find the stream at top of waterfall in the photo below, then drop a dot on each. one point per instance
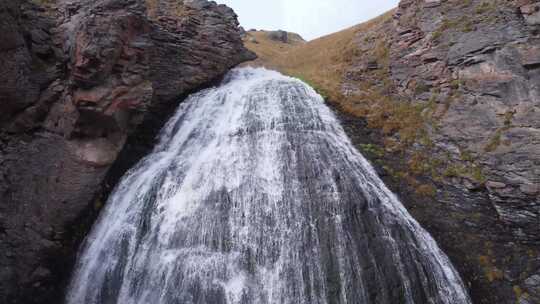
(254, 194)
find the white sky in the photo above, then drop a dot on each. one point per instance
(309, 18)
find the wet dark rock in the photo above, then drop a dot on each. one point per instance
(79, 79)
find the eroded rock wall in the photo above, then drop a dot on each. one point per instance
(484, 58)
(79, 79)
(465, 75)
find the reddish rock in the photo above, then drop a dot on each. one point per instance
(91, 76)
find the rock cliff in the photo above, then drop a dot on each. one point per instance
(473, 66)
(471, 70)
(81, 82)
(444, 98)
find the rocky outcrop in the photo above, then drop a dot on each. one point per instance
(452, 89)
(274, 39)
(79, 80)
(491, 69)
(280, 36)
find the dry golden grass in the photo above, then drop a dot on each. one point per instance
(267, 50)
(321, 62)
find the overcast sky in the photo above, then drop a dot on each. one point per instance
(309, 18)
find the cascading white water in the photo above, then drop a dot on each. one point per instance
(254, 194)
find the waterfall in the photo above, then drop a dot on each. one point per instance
(254, 194)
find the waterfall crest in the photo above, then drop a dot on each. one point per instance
(254, 194)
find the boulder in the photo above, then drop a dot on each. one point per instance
(281, 36)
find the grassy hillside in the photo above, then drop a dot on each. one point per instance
(261, 43)
(321, 62)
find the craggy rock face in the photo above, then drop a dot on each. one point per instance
(490, 64)
(79, 79)
(473, 68)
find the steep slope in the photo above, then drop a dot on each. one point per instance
(321, 62)
(443, 97)
(270, 44)
(79, 80)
